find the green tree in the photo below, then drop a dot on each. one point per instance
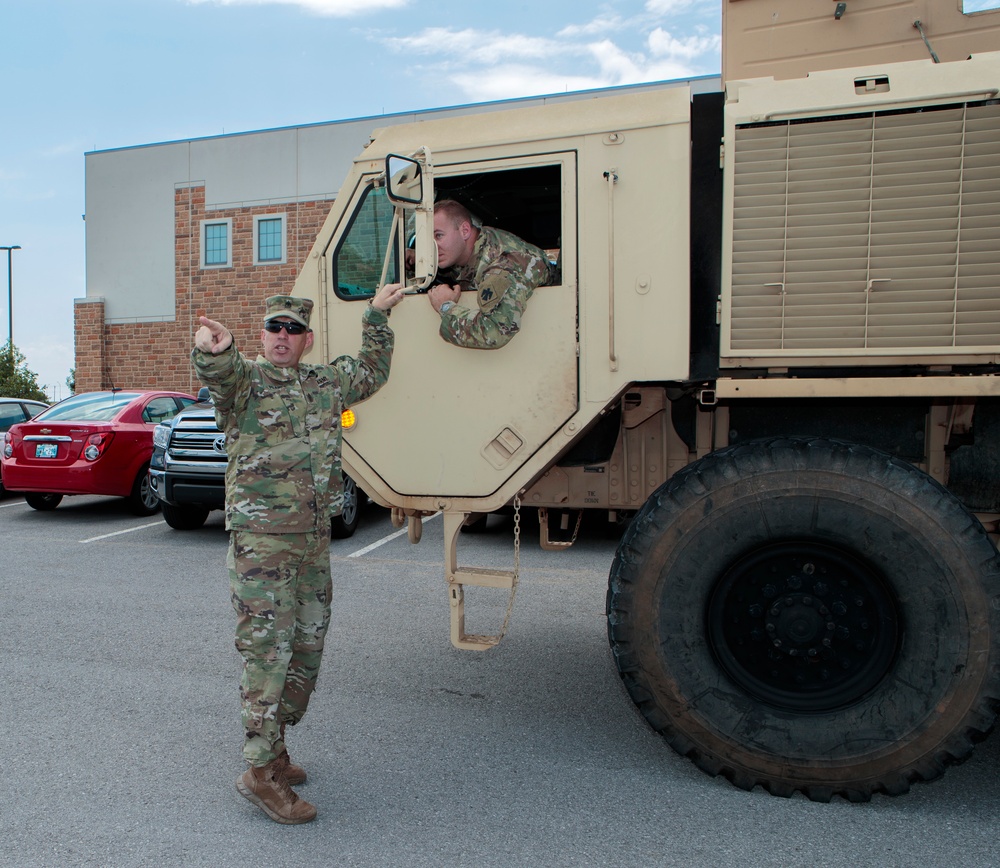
(71, 381)
(16, 381)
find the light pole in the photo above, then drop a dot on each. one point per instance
(10, 295)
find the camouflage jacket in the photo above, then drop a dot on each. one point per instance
(504, 271)
(282, 428)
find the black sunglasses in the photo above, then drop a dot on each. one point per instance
(293, 328)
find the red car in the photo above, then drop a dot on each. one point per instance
(94, 443)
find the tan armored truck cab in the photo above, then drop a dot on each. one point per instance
(773, 346)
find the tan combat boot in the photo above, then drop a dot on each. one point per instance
(267, 787)
(294, 774)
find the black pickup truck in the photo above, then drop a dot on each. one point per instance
(188, 471)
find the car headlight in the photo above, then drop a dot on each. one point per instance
(8, 450)
(161, 436)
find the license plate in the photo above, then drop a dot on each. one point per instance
(46, 450)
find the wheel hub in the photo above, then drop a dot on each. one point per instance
(803, 626)
(799, 624)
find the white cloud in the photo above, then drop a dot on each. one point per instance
(333, 8)
(619, 67)
(666, 7)
(616, 65)
(659, 40)
(479, 46)
(662, 43)
(495, 65)
(601, 25)
(510, 81)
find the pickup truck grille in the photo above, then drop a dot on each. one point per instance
(196, 444)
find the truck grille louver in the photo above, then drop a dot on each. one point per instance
(195, 440)
(878, 232)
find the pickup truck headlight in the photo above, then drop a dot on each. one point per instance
(161, 436)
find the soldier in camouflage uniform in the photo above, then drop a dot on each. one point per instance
(501, 268)
(283, 482)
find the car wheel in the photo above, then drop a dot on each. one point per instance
(186, 517)
(143, 500)
(344, 525)
(812, 615)
(43, 502)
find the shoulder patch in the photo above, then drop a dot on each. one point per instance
(493, 289)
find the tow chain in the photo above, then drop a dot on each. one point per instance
(517, 566)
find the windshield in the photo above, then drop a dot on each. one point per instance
(90, 407)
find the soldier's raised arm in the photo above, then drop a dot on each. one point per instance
(212, 337)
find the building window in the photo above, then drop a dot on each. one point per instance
(216, 247)
(970, 6)
(269, 239)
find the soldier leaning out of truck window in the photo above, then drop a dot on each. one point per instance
(501, 268)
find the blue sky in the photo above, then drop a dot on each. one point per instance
(81, 76)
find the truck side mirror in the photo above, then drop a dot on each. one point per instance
(404, 181)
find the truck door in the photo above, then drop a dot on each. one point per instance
(414, 436)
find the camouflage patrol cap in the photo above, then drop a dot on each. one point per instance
(289, 306)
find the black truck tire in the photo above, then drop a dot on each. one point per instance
(188, 516)
(809, 615)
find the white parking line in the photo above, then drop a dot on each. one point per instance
(15, 503)
(385, 539)
(120, 532)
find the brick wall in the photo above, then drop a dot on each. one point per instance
(156, 355)
(88, 331)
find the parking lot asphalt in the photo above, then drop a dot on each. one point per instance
(121, 733)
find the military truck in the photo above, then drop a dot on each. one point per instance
(773, 348)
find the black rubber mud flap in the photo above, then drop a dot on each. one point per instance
(809, 615)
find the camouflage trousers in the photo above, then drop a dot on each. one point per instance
(281, 590)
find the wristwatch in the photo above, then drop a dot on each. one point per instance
(448, 305)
